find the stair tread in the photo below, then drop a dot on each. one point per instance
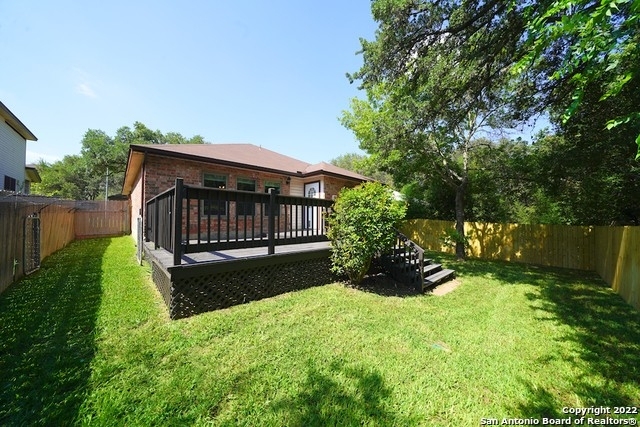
(438, 276)
(432, 267)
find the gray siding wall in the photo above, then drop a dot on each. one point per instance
(13, 151)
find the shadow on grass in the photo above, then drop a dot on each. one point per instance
(379, 282)
(516, 272)
(384, 285)
(340, 395)
(605, 329)
(510, 272)
(607, 333)
(47, 337)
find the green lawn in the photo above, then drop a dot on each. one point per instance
(87, 340)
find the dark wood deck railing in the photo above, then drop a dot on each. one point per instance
(203, 219)
(405, 261)
(159, 219)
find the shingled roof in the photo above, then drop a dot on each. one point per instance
(246, 156)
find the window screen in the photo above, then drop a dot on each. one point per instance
(246, 208)
(217, 207)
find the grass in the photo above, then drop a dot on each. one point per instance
(87, 341)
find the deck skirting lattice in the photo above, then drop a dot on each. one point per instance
(162, 280)
(197, 288)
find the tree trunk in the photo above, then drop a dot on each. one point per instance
(460, 241)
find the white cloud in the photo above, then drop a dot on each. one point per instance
(86, 90)
(86, 83)
(34, 157)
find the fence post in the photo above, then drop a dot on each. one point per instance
(177, 223)
(271, 231)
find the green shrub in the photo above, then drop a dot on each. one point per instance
(362, 224)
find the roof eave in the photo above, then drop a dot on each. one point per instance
(134, 164)
(15, 123)
(150, 150)
(32, 174)
(335, 175)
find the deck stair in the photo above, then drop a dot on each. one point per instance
(407, 264)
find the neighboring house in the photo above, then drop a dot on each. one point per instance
(13, 146)
(151, 169)
(31, 176)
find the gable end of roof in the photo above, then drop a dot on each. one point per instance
(14, 123)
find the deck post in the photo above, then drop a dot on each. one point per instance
(177, 223)
(271, 231)
(145, 223)
(156, 227)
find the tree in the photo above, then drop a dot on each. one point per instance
(589, 171)
(102, 158)
(591, 41)
(499, 179)
(106, 158)
(438, 73)
(363, 165)
(69, 178)
(361, 225)
(436, 80)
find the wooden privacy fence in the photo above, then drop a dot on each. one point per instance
(32, 228)
(55, 232)
(98, 219)
(613, 252)
(617, 259)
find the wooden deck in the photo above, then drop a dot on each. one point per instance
(166, 258)
(203, 262)
(206, 281)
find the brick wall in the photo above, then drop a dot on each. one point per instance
(136, 205)
(161, 173)
(332, 186)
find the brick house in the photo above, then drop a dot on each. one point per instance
(151, 169)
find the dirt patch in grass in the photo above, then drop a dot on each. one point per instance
(444, 288)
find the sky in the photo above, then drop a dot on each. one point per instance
(266, 73)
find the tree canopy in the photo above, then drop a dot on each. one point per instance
(590, 43)
(421, 120)
(443, 78)
(102, 160)
(364, 165)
